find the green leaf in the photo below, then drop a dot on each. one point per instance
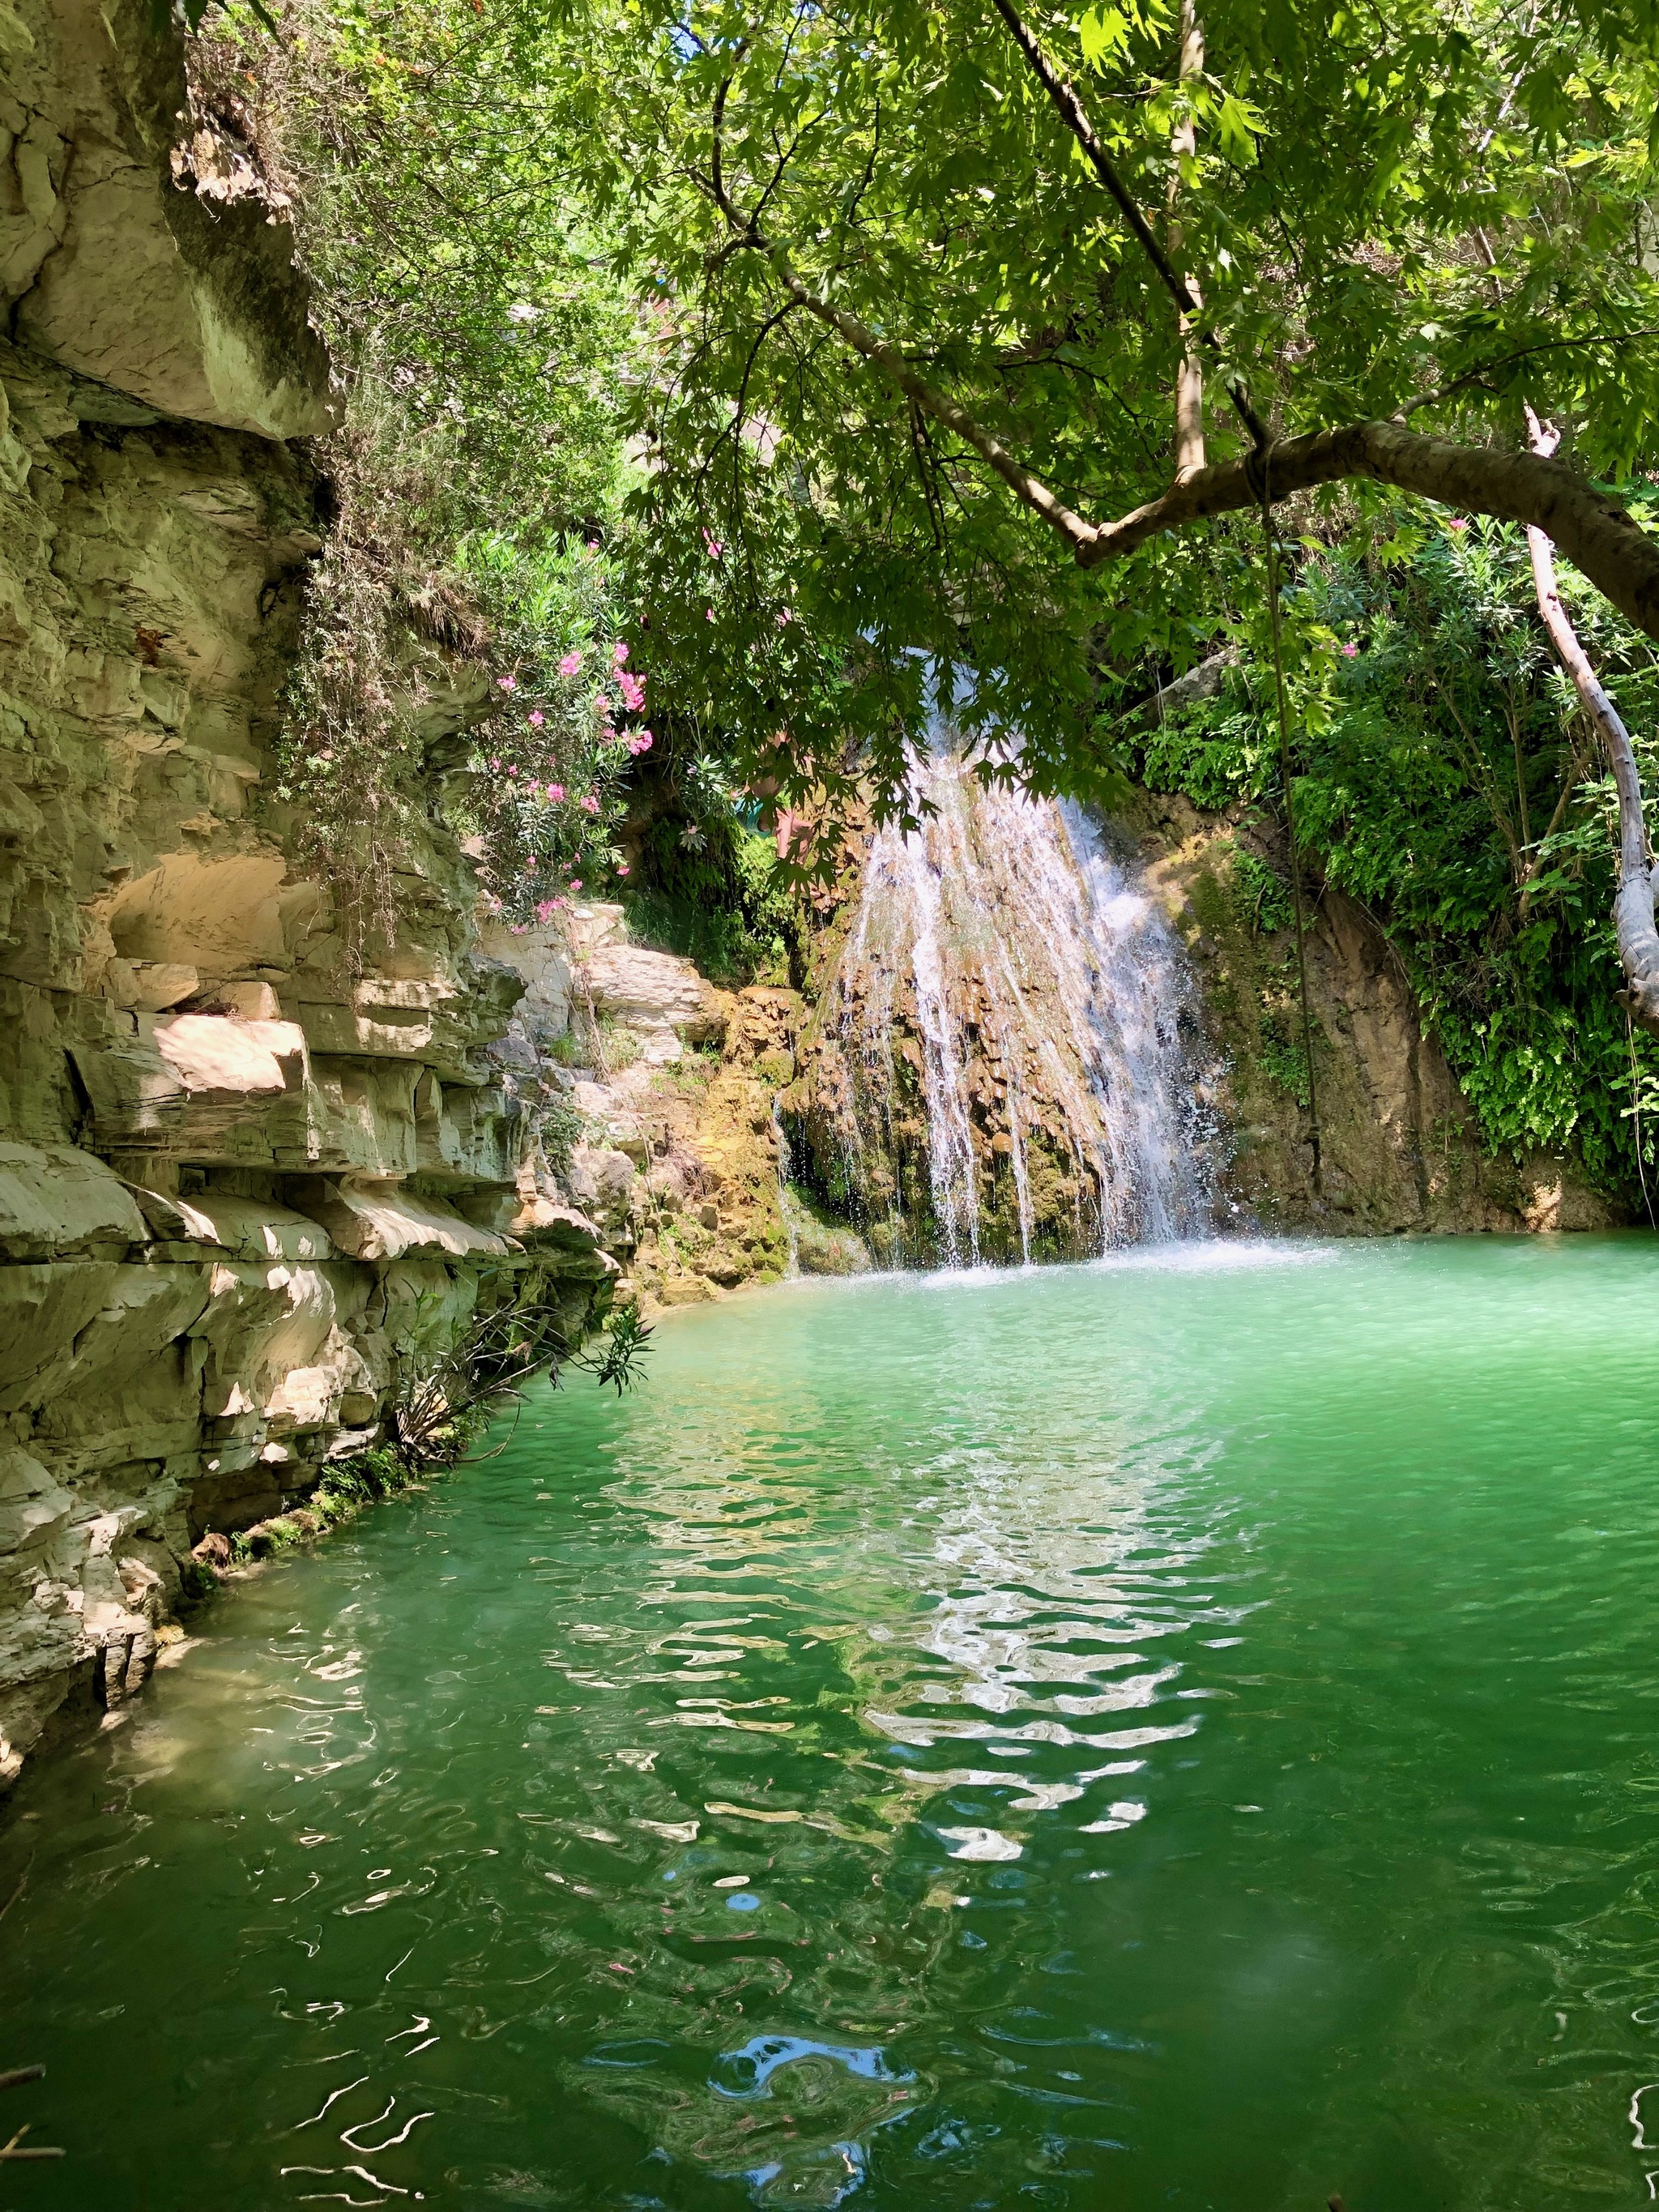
(1104, 33)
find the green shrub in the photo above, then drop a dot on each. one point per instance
(1445, 782)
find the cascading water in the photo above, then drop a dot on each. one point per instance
(1003, 1066)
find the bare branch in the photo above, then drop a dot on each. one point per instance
(1633, 908)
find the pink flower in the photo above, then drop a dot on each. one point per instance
(716, 549)
(570, 664)
(785, 618)
(575, 883)
(510, 769)
(507, 682)
(1457, 522)
(495, 760)
(593, 544)
(633, 692)
(621, 867)
(619, 655)
(518, 929)
(708, 614)
(590, 803)
(537, 719)
(602, 707)
(545, 909)
(555, 793)
(1349, 652)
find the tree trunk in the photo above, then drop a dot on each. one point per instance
(1190, 377)
(1632, 909)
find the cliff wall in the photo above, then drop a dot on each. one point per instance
(1400, 1149)
(248, 1182)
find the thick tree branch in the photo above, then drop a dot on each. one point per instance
(1595, 534)
(1633, 908)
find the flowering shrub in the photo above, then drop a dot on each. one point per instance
(549, 763)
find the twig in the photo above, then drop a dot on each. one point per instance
(1504, 360)
(1070, 109)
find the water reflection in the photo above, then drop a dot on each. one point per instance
(1153, 1734)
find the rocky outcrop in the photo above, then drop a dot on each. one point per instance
(671, 1085)
(1400, 1150)
(139, 248)
(248, 1186)
(1004, 1062)
(1000, 1037)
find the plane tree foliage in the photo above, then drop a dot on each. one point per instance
(913, 364)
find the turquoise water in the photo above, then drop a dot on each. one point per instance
(1176, 1732)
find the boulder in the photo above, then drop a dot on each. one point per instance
(57, 1199)
(660, 996)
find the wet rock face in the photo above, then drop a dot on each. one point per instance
(1006, 1063)
(244, 1185)
(1400, 1150)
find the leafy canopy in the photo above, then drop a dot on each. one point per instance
(1383, 202)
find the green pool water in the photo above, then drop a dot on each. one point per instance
(1182, 1732)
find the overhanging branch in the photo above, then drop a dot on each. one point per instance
(747, 233)
(1595, 534)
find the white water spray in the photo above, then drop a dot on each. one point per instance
(1037, 994)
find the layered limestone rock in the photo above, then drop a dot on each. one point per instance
(672, 1085)
(247, 1189)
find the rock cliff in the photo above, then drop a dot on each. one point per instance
(1400, 1150)
(1002, 1023)
(248, 1182)
(673, 1085)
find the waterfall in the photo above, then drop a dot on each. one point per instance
(1003, 1066)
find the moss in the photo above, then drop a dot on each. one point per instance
(1213, 903)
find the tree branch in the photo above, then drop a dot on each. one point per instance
(1633, 908)
(1596, 535)
(1029, 488)
(1189, 456)
(1070, 109)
